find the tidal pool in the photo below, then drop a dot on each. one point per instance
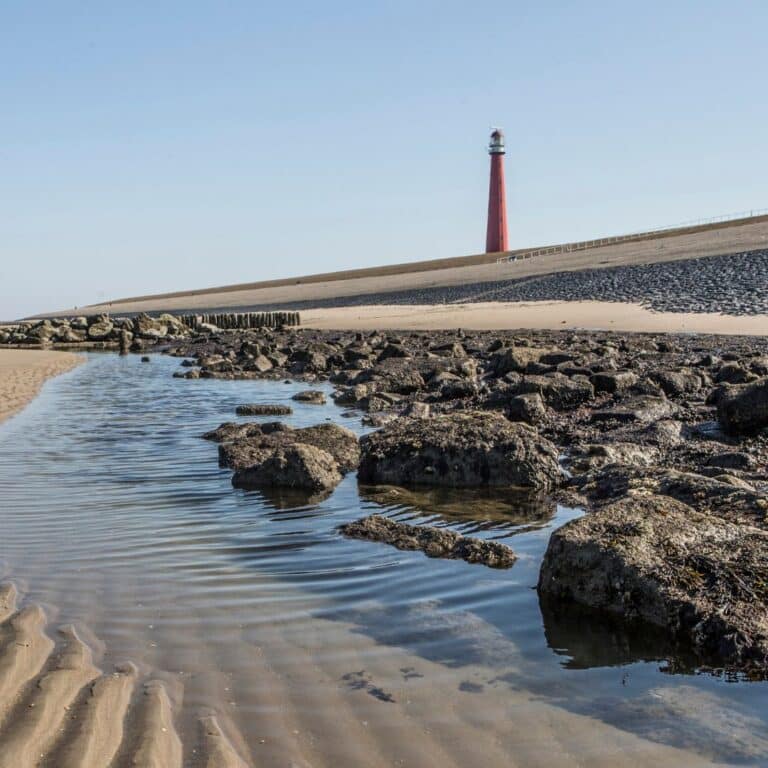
(314, 649)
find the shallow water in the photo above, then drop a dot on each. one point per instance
(319, 650)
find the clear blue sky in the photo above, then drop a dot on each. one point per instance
(153, 146)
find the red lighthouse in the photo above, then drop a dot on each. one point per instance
(496, 234)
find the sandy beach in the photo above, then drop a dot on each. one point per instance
(23, 372)
(550, 315)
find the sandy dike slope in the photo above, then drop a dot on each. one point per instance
(23, 372)
(442, 272)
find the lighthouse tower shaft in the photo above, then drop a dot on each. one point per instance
(496, 233)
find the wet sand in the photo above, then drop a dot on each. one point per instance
(23, 372)
(61, 707)
(59, 710)
(554, 315)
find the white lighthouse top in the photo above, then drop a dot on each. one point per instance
(496, 144)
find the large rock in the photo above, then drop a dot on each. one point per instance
(246, 444)
(678, 383)
(148, 328)
(42, 332)
(613, 381)
(529, 408)
(701, 578)
(313, 396)
(393, 375)
(735, 502)
(173, 324)
(461, 449)
(591, 456)
(643, 409)
(298, 466)
(516, 359)
(743, 409)
(558, 391)
(100, 330)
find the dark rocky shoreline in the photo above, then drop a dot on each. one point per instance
(638, 429)
(648, 427)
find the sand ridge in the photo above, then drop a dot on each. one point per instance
(548, 315)
(59, 710)
(71, 714)
(23, 373)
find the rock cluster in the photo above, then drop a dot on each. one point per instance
(432, 541)
(677, 420)
(134, 332)
(97, 331)
(276, 455)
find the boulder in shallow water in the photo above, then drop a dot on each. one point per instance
(263, 409)
(245, 444)
(297, 466)
(313, 396)
(701, 578)
(464, 449)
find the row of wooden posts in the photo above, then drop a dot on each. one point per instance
(243, 320)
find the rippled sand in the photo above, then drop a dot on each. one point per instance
(58, 709)
(23, 372)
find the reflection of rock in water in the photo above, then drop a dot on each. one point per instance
(499, 508)
(595, 639)
(290, 498)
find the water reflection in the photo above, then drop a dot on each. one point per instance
(588, 638)
(482, 509)
(306, 503)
